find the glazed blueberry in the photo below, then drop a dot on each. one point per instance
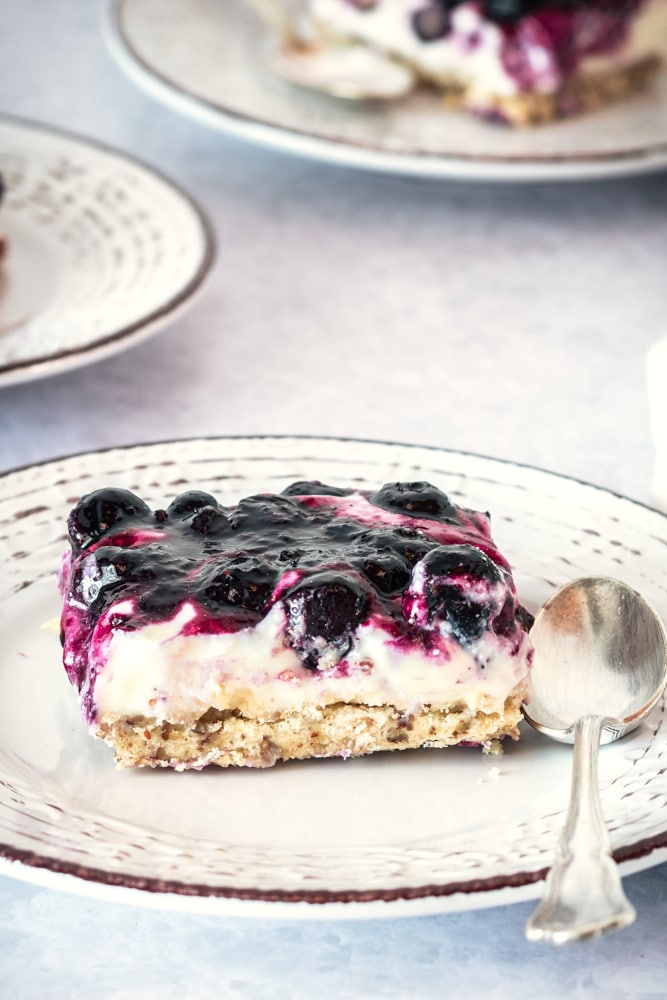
(127, 564)
(98, 512)
(465, 562)
(209, 520)
(450, 573)
(513, 10)
(346, 534)
(189, 503)
(431, 22)
(265, 511)
(307, 487)
(416, 500)
(103, 575)
(324, 609)
(290, 557)
(404, 542)
(244, 582)
(389, 572)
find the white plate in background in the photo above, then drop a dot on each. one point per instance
(102, 251)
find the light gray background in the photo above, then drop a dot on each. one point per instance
(507, 320)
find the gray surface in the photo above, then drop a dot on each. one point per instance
(511, 321)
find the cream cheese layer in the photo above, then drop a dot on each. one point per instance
(162, 672)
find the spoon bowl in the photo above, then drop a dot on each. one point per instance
(600, 666)
(599, 650)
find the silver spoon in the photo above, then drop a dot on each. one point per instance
(600, 666)
(340, 69)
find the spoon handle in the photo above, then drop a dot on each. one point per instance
(583, 895)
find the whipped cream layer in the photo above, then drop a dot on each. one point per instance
(163, 673)
(537, 52)
(288, 601)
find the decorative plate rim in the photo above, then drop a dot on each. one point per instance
(95, 350)
(345, 152)
(415, 897)
(344, 438)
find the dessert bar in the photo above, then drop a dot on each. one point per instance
(318, 622)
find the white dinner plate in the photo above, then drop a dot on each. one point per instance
(390, 834)
(103, 251)
(208, 59)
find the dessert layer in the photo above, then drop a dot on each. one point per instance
(231, 739)
(290, 604)
(504, 48)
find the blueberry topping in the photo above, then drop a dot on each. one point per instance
(461, 562)
(508, 10)
(265, 511)
(128, 565)
(150, 573)
(209, 520)
(415, 500)
(189, 503)
(99, 512)
(407, 543)
(323, 610)
(305, 488)
(387, 571)
(431, 22)
(245, 582)
(228, 562)
(452, 575)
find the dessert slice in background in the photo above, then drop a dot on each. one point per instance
(519, 61)
(319, 622)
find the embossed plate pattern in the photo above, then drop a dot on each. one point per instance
(208, 60)
(399, 833)
(103, 251)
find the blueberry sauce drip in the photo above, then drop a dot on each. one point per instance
(332, 557)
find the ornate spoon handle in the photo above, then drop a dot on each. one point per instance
(583, 895)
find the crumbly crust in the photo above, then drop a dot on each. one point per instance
(340, 730)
